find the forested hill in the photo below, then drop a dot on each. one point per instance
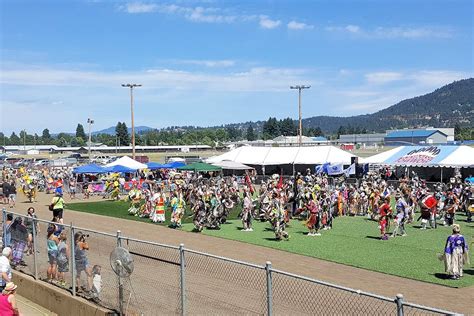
(445, 107)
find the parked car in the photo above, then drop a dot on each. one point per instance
(101, 159)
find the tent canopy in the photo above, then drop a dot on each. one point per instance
(425, 156)
(173, 165)
(154, 165)
(91, 169)
(127, 162)
(310, 155)
(232, 165)
(119, 168)
(200, 167)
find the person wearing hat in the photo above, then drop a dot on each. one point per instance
(57, 204)
(456, 253)
(8, 305)
(5, 268)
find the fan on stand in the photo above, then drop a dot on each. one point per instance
(122, 264)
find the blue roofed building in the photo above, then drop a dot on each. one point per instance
(415, 137)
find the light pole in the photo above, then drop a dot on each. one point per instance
(90, 138)
(131, 86)
(300, 87)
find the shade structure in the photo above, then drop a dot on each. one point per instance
(90, 169)
(127, 162)
(308, 155)
(232, 165)
(154, 165)
(426, 156)
(173, 165)
(200, 167)
(120, 169)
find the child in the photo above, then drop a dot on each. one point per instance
(31, 220)
(96, 281)
(63, 258)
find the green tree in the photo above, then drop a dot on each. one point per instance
(457, 132)
(14, 139)
(271, 128)
(46, 136)
(62, 142)
(121, 132)
(287, 127)
(80, 131)
(251, 136)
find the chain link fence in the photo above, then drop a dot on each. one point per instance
(169, 280)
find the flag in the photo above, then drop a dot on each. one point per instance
(335, 169)
(280, 182)
(249, 184)
(350, 170)
(322, 168)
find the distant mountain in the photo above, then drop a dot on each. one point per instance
(111, 130)
(445, 107)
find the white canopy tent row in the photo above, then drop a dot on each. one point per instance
(127, 162)
(278, 156)
(436, 161)
(425, 156)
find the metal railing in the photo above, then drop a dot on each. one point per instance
(176, 280)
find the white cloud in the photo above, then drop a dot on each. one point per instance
(393, 32)
(267, 23)
(139, 7)
(293, 25)
(208, 63)
(383, 77)
(352, 28)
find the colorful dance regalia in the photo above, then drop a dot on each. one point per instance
(158, 215)
(456, 254)
(135, 197)
(313, 221)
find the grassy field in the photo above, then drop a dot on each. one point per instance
(353, 241)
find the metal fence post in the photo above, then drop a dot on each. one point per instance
(399, 300)
(72, 247)
(120, 281)
(268, 269)
(35, 259)
(182, 265)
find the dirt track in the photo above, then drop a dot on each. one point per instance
(204, 292)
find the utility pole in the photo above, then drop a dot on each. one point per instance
(300, 87)
(90, 136)
(131, 86)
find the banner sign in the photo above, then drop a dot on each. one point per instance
(419, 155)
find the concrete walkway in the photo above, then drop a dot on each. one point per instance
(29, 308)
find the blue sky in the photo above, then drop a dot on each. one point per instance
(215, 62)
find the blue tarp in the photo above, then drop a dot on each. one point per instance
(154, 165)
(173, 165)
(119, 168)
(470, 179)
(91, 168)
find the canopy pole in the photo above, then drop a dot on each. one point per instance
(441, 174)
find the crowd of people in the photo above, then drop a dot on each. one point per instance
(168, 196)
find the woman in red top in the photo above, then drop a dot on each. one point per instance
(8, 302)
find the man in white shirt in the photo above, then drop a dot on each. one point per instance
(5, 268)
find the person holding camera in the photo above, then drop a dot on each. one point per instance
(82, 262)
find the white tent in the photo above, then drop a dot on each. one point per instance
(310, 155)
(317, 155)
(426, 156)
(127, 162)
(232, 165)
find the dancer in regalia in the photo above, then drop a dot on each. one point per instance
(456, 253)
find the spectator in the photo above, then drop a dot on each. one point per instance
(5, 191)
(81, 260)
(58, 206)
(19, 241)
(7, 236)
(8, 305)
(63, 258)
(52, 243)
(31, 220)
(5, 268)
(12, 195)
